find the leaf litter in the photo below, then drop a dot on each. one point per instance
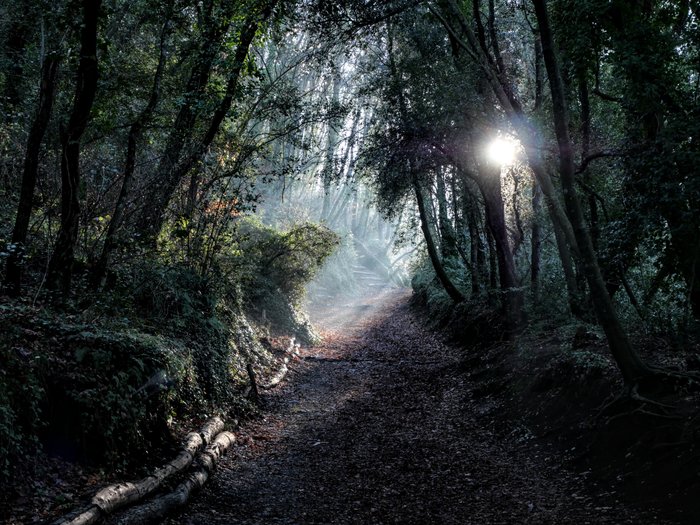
(376, 426)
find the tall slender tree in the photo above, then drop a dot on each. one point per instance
(628, 360)
(13, 273)
(60, 272)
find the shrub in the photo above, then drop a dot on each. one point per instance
(20, 395)
(274, 267)
(104, 379)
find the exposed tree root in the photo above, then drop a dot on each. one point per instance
(252, 391)
(640, 410)
(660, 381)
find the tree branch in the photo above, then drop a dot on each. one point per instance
(598, 155)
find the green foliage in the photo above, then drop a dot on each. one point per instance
(586, 361)
(111, 391)
(165, 343)
(285, 261)
(87, 391)
(172, 295)
(177, 312)
(21, 392)
(203, 313)
(274, 267)
(428, 290)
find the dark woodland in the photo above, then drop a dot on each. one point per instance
(349, 262)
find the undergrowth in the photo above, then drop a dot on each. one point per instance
(110, 378)
(556, 385)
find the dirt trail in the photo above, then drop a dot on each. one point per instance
(377, 426)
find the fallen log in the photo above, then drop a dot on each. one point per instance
(278, 377)
(84, 516)
(160, 507)
(120, 495)
(210, 429)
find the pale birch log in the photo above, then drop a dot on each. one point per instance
(278, 377)
(120, 495)
(160, 507)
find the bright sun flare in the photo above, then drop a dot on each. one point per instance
(502, 151)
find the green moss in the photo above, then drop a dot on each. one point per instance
(108, 379)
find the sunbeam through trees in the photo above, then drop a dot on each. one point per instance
(212, 208)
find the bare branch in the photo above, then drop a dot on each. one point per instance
(598, 155)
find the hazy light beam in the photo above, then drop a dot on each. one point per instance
(502, 151)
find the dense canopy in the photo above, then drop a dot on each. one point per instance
(175, 171)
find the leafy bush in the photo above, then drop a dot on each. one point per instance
(172, 295)
(285, 260)
(105, 379)
(110, 391)
(274, 267)
(20, 396)
(85, 391)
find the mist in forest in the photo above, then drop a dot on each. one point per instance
(313, 170)
(188, 186)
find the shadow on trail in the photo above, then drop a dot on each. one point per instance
(376, 426)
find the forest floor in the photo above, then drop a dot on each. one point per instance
(382, 423)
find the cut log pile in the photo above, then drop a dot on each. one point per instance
(158, 508)
(114, 497)
(193, 464)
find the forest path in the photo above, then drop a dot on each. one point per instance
(377, 426)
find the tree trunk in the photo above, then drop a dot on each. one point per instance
(442, 276)
(567, 245)
(340, 204)
(448, 246)
(458, 26)
(585, 104)
(61, 264)
(328, 172)
(489, 182)
(173, 166)
(519, 235)
(493, 261)
(631, 365)
(476, 255)
(13, 275)
(13, 47)
(574, 293)
(111, 242)
(535, 241)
